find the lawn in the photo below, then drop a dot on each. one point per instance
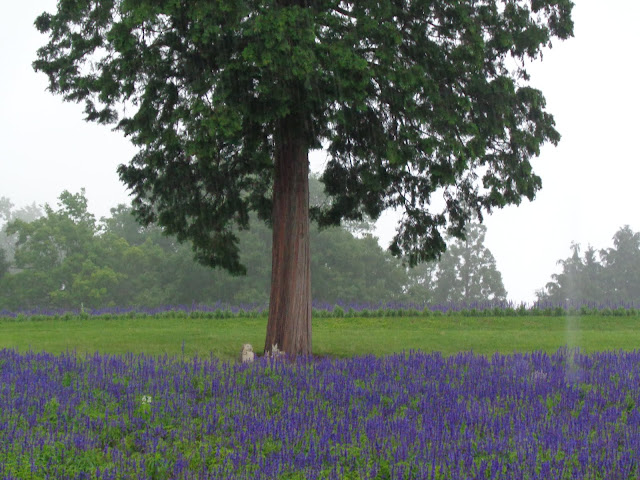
(334, 337)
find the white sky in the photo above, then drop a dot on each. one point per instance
(590, 181)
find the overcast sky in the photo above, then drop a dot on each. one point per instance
(591, 181)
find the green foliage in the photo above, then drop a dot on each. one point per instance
(7, 215)
(465, 273)
(4, 263)
(353, 270)
(411, 99)
(611, 275)
(66, 259)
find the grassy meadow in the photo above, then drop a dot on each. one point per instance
(333, 337)
(132, 412)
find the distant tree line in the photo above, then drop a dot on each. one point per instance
(609, 275)
(64, 258)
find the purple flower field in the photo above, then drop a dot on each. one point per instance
(411, 416)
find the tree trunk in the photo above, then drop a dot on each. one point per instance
(289, 325)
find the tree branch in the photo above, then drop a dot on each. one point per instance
(344, 12)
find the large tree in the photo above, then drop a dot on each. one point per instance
(225, 99)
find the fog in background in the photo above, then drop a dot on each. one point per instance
(590, 181)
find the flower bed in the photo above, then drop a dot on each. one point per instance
(341, 309)
(422, 416)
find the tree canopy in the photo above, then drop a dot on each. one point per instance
(409, 97)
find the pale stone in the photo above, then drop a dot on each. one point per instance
(275, 353)
(247, 355)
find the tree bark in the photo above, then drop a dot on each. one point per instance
(289, 324)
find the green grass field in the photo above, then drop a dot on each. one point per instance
(337, 337)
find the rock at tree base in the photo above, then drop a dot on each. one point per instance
(247, 355)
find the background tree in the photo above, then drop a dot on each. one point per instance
(353, 269)
(122, 223)
(622, 266)
(6, 243)
(591, 285)
(53, 253)
(343, 267)
(466, 273)
(607, 276)
(5, 209)
(4, 263)
(27, 213)
(117, 262)
(579, 281)
(225, 99)
(421, 285)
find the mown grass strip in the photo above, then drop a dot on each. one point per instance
(338, 337)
